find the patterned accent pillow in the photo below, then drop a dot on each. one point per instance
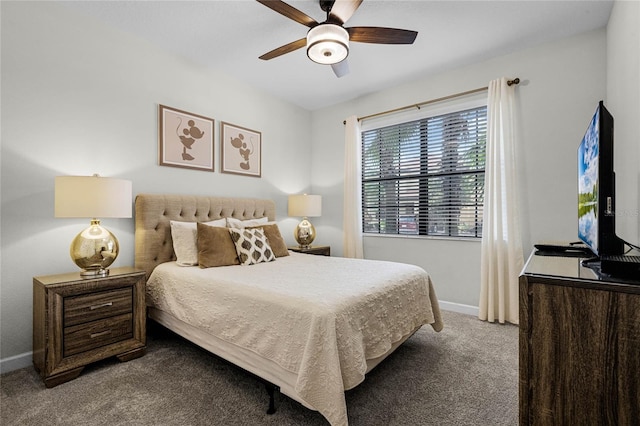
(251, 246)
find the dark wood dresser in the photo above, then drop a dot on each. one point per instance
(77, 321)
(579, 355)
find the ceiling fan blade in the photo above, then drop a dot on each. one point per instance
(341, 68)
(287, 48)
(381, 35)
(290, 12)
(342, 10)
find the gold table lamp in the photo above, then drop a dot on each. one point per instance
(95, 248)
(305, 206)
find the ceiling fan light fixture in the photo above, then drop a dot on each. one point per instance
(327, 44)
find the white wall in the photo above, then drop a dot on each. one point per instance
(79, 98)
(623, 101)
(562, 83)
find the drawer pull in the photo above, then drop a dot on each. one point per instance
(102, 333)
(102, 305)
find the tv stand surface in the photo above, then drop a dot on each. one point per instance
(579, 345)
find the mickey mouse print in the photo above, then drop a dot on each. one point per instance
(185, 139)
(241, 150)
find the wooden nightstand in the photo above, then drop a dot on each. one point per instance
(77, 321)
(319, 250)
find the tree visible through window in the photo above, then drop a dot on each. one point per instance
(425, 177)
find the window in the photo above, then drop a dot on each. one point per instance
(425, 177)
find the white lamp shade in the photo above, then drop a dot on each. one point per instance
(92, 197)
(327, 44)
(305, 205)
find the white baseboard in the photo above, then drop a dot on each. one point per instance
(15, 362)
(459, 307)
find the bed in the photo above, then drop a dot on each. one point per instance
(312, 326)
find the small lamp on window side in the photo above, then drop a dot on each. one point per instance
(305, 206)
(95, 248)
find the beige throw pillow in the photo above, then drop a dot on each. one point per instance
(183, 235)
(272, 232)
(215, 247)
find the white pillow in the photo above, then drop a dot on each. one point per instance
(185, 240)
(238, 224)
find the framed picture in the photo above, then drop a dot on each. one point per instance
(241, 150)
(185, 139)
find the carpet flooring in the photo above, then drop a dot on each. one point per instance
(465, 375)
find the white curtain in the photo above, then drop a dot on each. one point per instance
(501, 253)
(352, 240)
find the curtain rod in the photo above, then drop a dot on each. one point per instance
(432, 101)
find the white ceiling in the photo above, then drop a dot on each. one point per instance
(230, 35)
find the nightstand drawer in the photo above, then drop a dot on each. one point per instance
(94, 306)
(84, 337)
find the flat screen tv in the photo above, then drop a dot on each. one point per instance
(596, 187)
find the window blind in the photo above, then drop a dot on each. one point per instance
(426, 177)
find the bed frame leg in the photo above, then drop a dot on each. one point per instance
(271, 390)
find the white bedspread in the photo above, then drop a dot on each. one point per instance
(318, 317)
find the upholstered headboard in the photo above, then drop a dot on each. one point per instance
(154, 211)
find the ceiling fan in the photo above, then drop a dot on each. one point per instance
(328, 42)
